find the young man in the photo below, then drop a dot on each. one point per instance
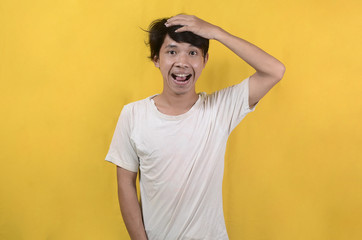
(177, 139)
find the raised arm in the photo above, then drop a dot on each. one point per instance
(269, 71)
(128, 202)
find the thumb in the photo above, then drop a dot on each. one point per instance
(182, 29)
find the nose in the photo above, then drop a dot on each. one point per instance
(181, 61)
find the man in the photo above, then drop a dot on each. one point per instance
(177, 139)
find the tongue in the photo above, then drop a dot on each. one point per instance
(180, 78)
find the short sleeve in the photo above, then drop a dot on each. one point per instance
(232, 104)
(122, 150)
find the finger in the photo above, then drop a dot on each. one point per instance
(178, 17)
(178, 22)
(182, 29)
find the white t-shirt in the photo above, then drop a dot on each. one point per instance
(181, 161)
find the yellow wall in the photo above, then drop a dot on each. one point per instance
(293, 168)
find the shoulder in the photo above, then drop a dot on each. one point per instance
(132, 113)
(137, 106)
(229, 92)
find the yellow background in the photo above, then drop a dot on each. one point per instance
(293, 167)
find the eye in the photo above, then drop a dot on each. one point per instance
(171, 52)
(193, 53)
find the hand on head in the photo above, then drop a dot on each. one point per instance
(193, 24)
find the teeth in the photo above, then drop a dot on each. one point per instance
(181, 75)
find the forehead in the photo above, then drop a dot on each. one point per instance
(170, 43)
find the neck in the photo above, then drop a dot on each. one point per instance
(172, 104)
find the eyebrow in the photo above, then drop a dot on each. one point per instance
(171, 46)
(175, 46)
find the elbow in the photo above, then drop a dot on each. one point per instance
(279, 71)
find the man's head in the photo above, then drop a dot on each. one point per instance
(180, 56)
(158, 31)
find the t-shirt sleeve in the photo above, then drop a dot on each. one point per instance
(232, 104)
(122, 150)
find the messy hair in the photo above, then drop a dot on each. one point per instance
(157, 32)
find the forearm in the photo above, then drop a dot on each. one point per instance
(261, 61)
(128, 202)
(131, 212)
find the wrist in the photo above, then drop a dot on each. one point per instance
(219, 34)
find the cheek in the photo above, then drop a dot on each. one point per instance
(165, 66)
(197, 63)
(198, 67)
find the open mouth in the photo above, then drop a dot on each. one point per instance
(181, 77)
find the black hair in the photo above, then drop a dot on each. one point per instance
(157, 32)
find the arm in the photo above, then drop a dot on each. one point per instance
(128, 202)
(269, 71)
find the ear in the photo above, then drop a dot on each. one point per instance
(156, 61)
(206, 58)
